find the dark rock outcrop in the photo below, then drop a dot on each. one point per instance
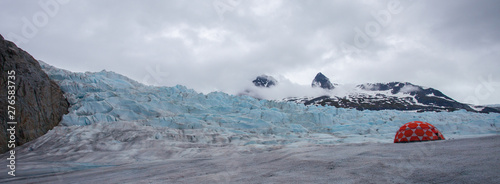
(265, 81)
(322, 81)
(40, 103)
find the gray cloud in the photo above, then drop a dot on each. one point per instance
(449, 45)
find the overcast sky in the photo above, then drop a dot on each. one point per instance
(451, 45)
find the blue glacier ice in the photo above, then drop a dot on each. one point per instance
(98, 97)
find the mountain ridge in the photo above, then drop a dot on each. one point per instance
(384, 96)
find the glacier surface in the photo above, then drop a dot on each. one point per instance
(110, 97)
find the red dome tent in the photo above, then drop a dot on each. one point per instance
(416, 131)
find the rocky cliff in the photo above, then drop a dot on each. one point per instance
(40, 103)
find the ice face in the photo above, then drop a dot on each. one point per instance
(110, 97)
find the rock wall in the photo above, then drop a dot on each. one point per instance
(40, 103)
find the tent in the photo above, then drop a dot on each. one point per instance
(417, 131)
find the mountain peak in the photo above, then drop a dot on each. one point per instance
(322, 81)
(265, 81)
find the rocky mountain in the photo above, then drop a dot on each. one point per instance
(265, 81)
(393, 96)
(322, 81)
(379, 96)
(39, 102)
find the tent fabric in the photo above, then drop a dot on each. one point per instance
(416, 131)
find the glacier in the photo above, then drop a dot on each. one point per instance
(97, 97)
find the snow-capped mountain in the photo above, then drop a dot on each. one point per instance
(382, 96)
(395, 96)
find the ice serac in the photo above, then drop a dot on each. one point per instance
(40, 103)
(322, 81)
(265, 81)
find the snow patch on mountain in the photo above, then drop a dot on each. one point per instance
(409, 89)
